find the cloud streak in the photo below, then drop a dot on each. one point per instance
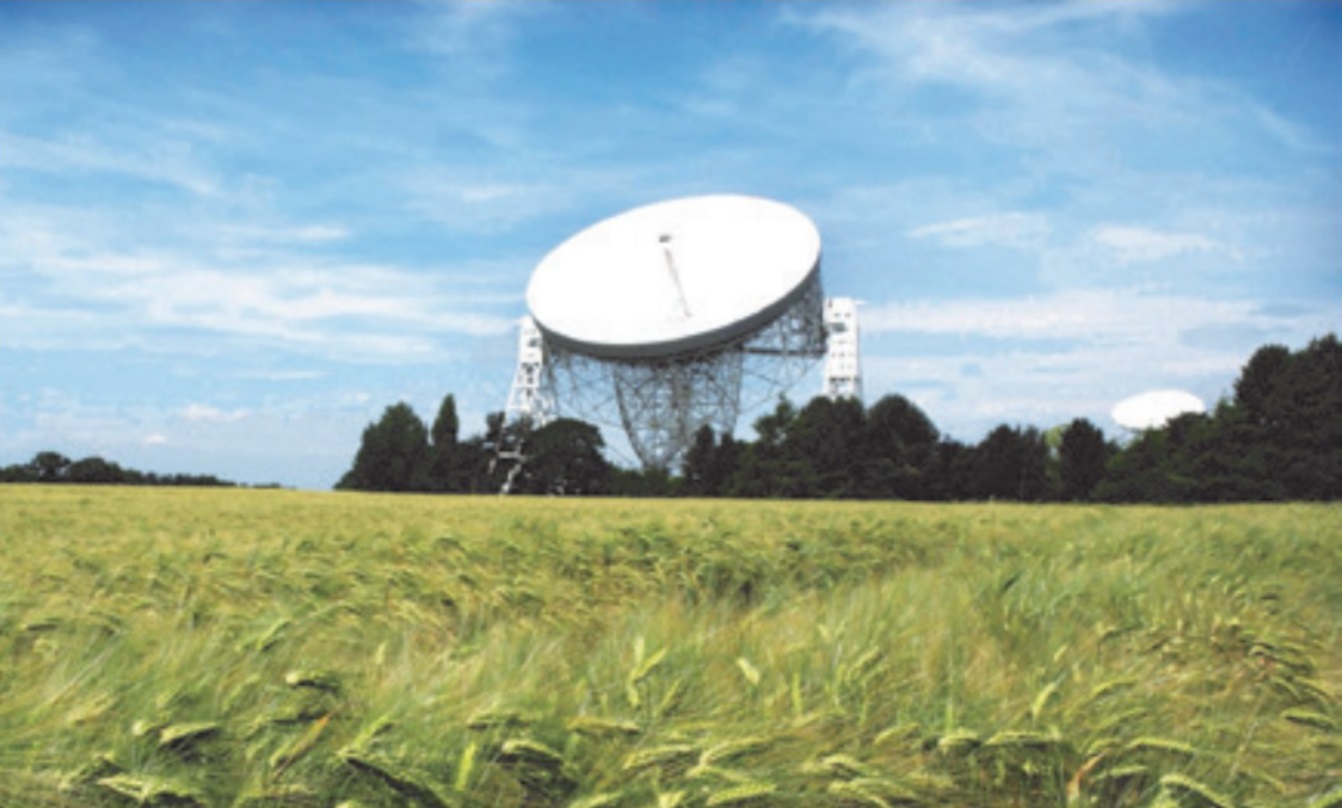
(1096, 315)
(1013, 229)
(247, 242)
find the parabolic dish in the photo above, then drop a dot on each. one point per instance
(674, 277)
(1154, 409)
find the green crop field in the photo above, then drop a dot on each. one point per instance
(230, 647)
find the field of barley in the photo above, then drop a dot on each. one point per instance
(274, 648)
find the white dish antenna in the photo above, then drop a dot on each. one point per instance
(677, 315)
(1155, 408)
(674, 277)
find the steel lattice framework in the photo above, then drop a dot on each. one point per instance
(660, 403)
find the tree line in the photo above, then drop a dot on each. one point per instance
(54, 467)
(399, 452)
(1278, 438)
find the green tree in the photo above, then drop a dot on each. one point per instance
(393, 454)
(1218, 458)
(1257, 381)
(1303, 415)
(726, 460)
(447, 466)
(49, 467)
(95, 470)
(950, 471)
(696, 467)
(564, 457)
(898, 451)
(1082, 454)
(1011, 463)
(823, 447)
(1140, 472)
(765, 469)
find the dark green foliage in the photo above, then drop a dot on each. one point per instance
(564, 457)
(899, 451)
(644, 484)
(696, 469)
(94, 470)
(1081, 458)
(50, 467)
(824, 446)
(447, 460)
(1011, 463)
(54, 467)
(1279, 438)
(392, 455)
(765, 468)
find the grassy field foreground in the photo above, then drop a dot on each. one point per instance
(223, 647)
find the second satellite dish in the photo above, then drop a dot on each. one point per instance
(1155, 408)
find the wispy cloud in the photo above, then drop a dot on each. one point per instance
(1139, 244)
(1014, 229)
(206, 413)
(1098, 315)
(143, 157)
(335, 307)
(1031, 77)
(211, 234)
(1067, 354)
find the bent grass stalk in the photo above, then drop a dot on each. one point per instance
(252, 648)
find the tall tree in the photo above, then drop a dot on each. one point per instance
(50, 467)
(446, 466)
(1303, 412)
(726, 460)
(765, 470)
(1011, 463)
(95, 470)
(1257, 381)
(564, 457)
(1082, 454)
(696, 467)
(823, 446)
(899, 450)
(1138, 472)
(393, 455)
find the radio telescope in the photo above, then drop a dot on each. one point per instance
(1155, 408)
(676, 315)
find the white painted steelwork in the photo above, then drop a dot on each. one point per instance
(530, 399)
(674, 277)
(677, 315)
(843, 364)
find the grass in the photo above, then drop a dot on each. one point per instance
(258, 648)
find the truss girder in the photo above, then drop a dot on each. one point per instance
(660, 403)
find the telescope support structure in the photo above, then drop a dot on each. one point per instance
(843, 360)
(660, 404)
(530, 401)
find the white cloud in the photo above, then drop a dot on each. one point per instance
(275, 294)
(1013, 229)
(1069, 81)
(467, 200)
(1087, 315)
(144, 157)
(285, 375)
(1140, 244)
(300, 234)
(1046, 359)
(203, 413)
(155, 439)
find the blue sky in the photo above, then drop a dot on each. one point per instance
(231, 234)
